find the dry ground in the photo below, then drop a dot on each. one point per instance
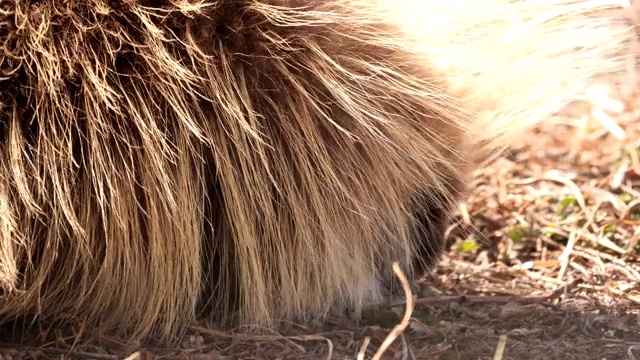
(543, 255)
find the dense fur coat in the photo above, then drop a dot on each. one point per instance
(268, 159)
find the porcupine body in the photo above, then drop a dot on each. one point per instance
(268, 159)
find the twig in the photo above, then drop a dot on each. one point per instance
(566, 255)
(502, 342)
(521, 299)
(134, 356)
(363, 348)
(398, 329)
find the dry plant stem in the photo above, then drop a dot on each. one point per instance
(502, 342)
(634, 240)
(321, 338)
(66, 354)
(471, 299)
(566, 255)
(136, 355)
(609, 123)
(566, 182)
(363, 348)
(407, 353)
(630, 351)
(246, 337)
(398, 329)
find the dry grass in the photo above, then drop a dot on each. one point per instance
(544, 264)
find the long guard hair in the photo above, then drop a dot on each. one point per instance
(266, 159)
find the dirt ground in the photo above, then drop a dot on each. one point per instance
(544, 263)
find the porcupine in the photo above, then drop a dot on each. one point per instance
(268, 159)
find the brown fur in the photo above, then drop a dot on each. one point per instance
(163, 157)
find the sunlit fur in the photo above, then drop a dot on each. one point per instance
(268, 159)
